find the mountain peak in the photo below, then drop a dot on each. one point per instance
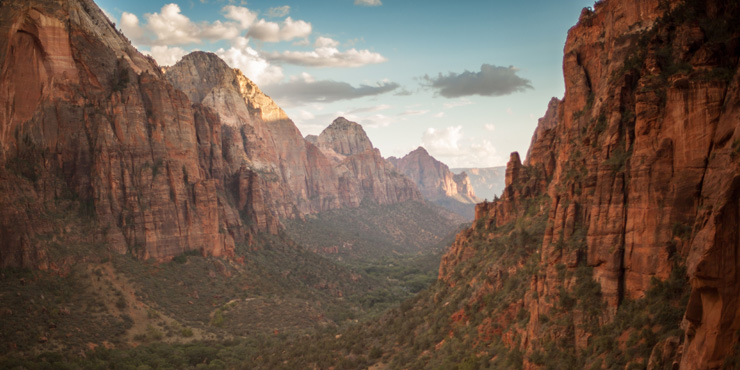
(345, 137)
(420, 150)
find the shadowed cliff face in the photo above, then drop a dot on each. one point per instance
(88, 120)
(103, 153)
(638, 165)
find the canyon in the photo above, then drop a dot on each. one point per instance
(193, 158)
(613, 245)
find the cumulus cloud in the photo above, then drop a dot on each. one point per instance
(244, 16)
(165, 55)
(451, 147)
(326, 55)
(304, 90)
(241, 55)
(325, 42)
(272, 32)
(278, 11)
(368, 2)
(489, 127)
(170, 27)
(490, 81)
(443, 141)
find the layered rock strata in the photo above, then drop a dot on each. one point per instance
(638, 165)
(149, 163)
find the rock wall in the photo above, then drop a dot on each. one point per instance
(148, 163)
(640, 160)
(87, 118)
(433, 177)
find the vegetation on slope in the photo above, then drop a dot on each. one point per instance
(371, 231)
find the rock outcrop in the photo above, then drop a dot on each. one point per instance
(437, 183)
(638, 169)
(87, 120)
(363, 173)
(150, 163)
(487, 182)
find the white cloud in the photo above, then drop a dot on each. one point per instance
(412, 112)
(368, 2)
(327, 57)
(489, 127)
(170, 27)
(165, 55)
(459, 103)
(325, 42)
(451, 147)
(443, 141)
(273, 32)
(244, 16)
(130, 27)
(306, 115)
(439, 115)
(278, 12)
(374, 108)
(241, 55)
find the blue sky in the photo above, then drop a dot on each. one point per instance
(465, 79)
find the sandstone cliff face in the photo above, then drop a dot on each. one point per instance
(363, 173)
(433, 177)
(146, 163)
(487, 182)
(260, 143)
(88, 120)
(638, 169)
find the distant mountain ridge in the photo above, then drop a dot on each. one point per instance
(488, 182)
(437, 183)
(192, 158)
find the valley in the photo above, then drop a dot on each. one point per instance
(176, 217)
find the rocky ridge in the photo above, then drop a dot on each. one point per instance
(436, 182)
(487, 182)
(148, 162)
(636, 169)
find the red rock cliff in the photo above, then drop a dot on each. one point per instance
(434, 178)
(102, 152)
(88, 119)
(640, 161)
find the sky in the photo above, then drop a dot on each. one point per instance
(465, 79)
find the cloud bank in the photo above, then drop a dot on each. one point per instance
(326, 54)
(305, 90)
(450, 146)
(490, 81)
